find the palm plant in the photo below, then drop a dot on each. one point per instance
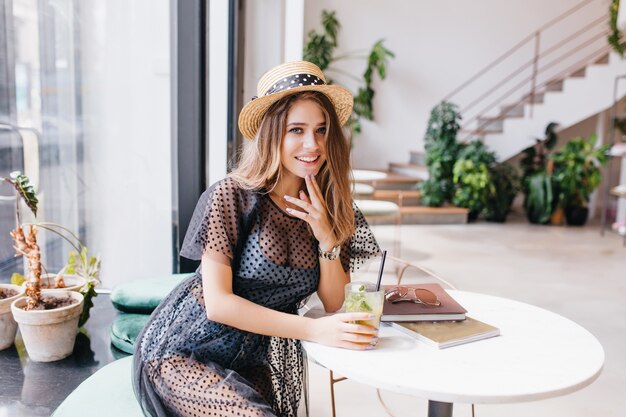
(319, 49)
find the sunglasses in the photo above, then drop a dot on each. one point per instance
(413, 295)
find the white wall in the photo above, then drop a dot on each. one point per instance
(263, 41)
(126, 102)
(273, 35)
(438, 46)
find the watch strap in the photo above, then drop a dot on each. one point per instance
(330, 255)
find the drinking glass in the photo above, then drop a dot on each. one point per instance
(362, 297)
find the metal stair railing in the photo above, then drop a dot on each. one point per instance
(583, 45)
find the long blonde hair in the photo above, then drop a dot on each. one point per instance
(259, 167)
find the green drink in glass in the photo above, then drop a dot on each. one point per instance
(362, 297)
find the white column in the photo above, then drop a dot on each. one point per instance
(218, 90)
(294, 30)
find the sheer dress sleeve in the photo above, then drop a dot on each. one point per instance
(216, 223)
(361, 247)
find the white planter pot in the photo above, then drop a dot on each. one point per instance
(8, 326)
(72, 282)
(49, 335)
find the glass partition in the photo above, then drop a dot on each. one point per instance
(87, 117)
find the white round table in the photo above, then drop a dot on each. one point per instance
(538, 355)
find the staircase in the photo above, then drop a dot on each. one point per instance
(567, 101)
(566, 81)
(547, 78)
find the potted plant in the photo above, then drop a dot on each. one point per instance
(8, 326)
(472, 178)
(482, 185)
(615, 36)
(441, 154)
(81, 272)
(536, 182)
(48, 319)
(319, 49)
(577, 173)
(505, 186)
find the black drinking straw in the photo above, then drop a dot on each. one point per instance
(380, 271)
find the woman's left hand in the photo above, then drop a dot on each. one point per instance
(314, 213)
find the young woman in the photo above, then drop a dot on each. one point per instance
(281, 226)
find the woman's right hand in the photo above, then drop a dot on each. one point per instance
(339, 330)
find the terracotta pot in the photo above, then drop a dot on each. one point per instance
(8, 326)
(558, 217)
(49, 335)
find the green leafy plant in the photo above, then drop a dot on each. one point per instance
(319, 49)
(539, 202)
(506, 186)
(615, 36)
(483, 185)
(441, 153)
(78, 263)
(23, 190)
(536, 181)
(472, 178)
(577, 170)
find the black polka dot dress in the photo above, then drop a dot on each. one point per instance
(187, 365)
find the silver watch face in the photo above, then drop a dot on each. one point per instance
(331, 255)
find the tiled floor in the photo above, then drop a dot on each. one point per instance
(571, 271)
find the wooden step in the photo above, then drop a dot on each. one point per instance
(395, 194)
(604, 59)
(411, 170)
(400, 197)
(554, 86)
(490, 124)
(434, 215)
(392, 181)
(471, 134)
(579, 74)
(537, 98)
(424, 215)
(417, 158)
(438, 210)
(512, 110)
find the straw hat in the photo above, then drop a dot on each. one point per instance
(290, 78)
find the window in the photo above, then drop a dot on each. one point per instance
(85, 111)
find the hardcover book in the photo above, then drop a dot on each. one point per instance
(449, 309)
(445, 334)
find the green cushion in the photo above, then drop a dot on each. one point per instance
(377, 207)
(108, 392)
(125, 329)
(144, 295)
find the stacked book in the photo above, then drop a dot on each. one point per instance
(441, 326)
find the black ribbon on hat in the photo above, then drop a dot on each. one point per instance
(293, 81)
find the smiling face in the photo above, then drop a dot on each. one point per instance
(303, 149)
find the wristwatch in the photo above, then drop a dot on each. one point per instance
(330, 255)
